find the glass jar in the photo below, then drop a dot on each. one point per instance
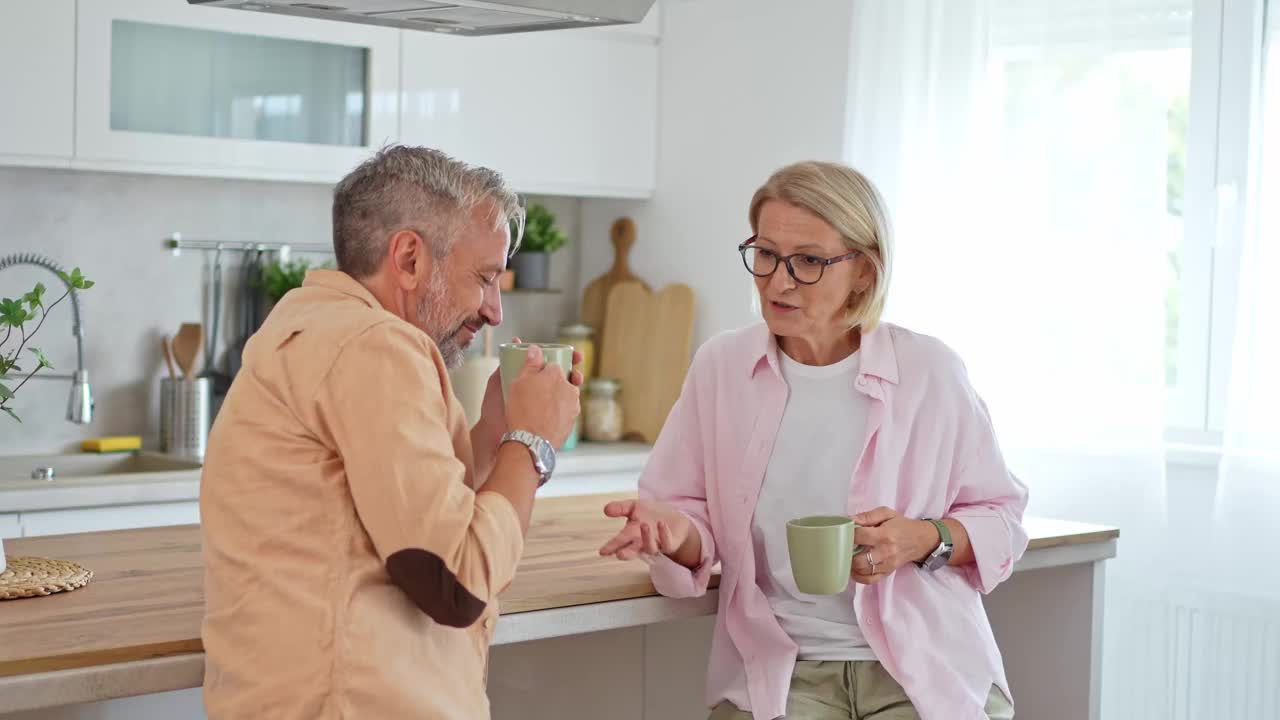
(579, 336)
(601, 412)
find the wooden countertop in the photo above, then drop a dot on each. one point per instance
(147, 596)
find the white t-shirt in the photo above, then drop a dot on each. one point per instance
(823, 429)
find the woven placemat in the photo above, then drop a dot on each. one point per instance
(34, 576)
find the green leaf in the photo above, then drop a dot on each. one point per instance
(13, 313)
(79, 281)
(5, 392)
(11, 413)
(35, 298)
(540, 231)
(44, 361)
(278, 278)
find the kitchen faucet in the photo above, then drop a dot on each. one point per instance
(80, 403)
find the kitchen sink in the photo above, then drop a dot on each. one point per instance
(91, 466)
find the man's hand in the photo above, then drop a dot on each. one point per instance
(541, 400)
(489, 429)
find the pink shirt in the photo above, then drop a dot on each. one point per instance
(929, 451)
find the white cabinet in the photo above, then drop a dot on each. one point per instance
(561, 113)
(10, 527)
(120, 517)
(164, 86)
(37, 82)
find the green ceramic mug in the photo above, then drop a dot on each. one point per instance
(511, 358)
(821, 549)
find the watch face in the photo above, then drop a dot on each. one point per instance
(547, 456)
(939, 559)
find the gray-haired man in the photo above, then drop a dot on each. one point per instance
(353, 554)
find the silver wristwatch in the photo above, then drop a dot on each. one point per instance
(544, 456)
(941, 555)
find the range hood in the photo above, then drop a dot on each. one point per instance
(459, 17)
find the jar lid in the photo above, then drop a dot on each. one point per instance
(603, 386)
(577, 330)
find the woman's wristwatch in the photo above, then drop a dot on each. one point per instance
(941, 555)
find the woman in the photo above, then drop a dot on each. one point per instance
(822, 409)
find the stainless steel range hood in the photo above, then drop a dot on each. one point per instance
(459, 17)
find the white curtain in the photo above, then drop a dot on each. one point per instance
(1247, 502)
(1024, 148)
(1025, 167)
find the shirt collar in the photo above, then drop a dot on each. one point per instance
(878, 356)
(341, 282)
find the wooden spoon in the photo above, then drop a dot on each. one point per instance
(168, 356)
(187, 345)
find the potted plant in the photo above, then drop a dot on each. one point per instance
(278, 278)
(16, 332)
(16, 319)
(541, 238)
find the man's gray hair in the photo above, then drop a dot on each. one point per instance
(413, 188)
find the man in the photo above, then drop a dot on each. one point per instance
(356, 535)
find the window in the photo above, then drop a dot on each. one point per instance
(1068, 180)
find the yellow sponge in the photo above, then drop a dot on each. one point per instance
(112, 444)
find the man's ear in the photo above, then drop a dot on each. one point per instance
(410, 259)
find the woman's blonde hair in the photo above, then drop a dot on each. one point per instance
(847, 201)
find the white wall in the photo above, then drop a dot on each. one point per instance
(745, 87)
(112, 226)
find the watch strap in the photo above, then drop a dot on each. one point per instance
(541, 452)
(943, 531)
(941, 555)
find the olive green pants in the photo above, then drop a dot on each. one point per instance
(835, 690)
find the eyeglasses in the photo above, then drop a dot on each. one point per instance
(804, 268)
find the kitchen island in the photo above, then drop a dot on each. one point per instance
(580, 636)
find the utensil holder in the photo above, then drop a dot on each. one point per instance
(184, 416)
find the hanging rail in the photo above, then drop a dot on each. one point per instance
(175, 244)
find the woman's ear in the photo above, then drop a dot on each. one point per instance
(866, 276)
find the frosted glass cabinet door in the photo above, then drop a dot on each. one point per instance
(171, 88)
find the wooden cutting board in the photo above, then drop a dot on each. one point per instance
(647, 349)
(596, 297)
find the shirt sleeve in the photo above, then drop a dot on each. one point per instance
(675, 475)
(989, 500)
(449, 548)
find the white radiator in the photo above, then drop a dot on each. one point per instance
(1190, 656)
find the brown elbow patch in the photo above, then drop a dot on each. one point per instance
(433, 587)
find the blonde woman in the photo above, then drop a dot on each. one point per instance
(823, 409)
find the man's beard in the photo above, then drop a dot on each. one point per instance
(433, 313)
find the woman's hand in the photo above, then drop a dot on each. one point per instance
(888, 542)
(652, 528)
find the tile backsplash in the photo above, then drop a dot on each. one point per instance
(113, 226)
